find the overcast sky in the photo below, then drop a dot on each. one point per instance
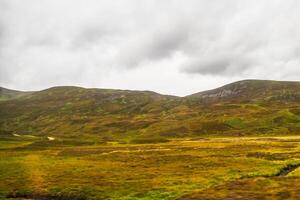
(168, 46)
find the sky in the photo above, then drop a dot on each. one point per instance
(172, 47)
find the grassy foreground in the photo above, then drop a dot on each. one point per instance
(221, 168)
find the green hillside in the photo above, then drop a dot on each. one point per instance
(250, 107)
(7, 94)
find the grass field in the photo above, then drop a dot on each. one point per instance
(203, 168)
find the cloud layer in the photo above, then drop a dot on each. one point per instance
(151, 44)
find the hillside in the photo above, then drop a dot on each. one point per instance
(69, 111)
(7, 94)
(250, 107)
(252, 90)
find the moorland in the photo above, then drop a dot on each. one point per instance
(239, 141)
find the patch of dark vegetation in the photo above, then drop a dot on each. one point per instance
(287, 169)
(283, 120)
(10, 138)
(82, 152)
(267, 139)
(149, 140)
(286, 97)
(283, 195)
(274, 156)
(283, 172)
(44, 144)
(263, 130)
(280, 188)
(215, 126)
(290, 140)
(79, 121)
(175, 132)
(200, 139)
(295, 111)
(38, 196)
(282, 140)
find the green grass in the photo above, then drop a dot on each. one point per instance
(168, 170)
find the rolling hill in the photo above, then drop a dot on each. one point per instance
(249, 107)
(252, 90)
(7, 94)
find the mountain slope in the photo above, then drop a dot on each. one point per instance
(252, 90)
(250, 107)
(69, 111)
(7, 94)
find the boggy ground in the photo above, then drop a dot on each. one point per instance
(213, 168)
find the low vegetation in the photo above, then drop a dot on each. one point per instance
(184, 169)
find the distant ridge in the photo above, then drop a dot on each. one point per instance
(248, 107)
(7, 94)
(251, 90)
(250, 86)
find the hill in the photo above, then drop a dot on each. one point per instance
(252, 90)
(69, 111)
(250, 107)
(7, 94)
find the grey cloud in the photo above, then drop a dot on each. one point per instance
(229, 64)
(165, 44)
(252, 40)
(153, 47)
(91, 36)
(42, 41)
(3, 7)
(97, 38)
